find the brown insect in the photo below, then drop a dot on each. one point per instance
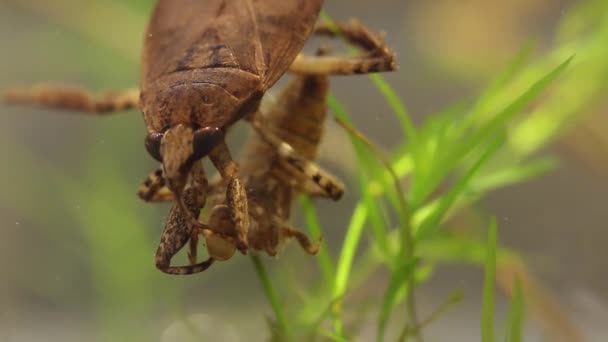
(277, 162)
(206, 64)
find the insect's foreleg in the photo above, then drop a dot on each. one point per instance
(176, 234)
(375, 56)
(73, 99)
(154, 188)
(186, 270)
(236, 196)
(193, 246)
(320, 182)
(303, 239)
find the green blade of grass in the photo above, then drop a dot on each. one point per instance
(513, 108)
(487, 315)
(498, 84)
(516, 314)
(314, 227)
(367, 207)
(456, 152)
(406, 250)
(347, 253)
(454, 299)
(431, 224)
(513, 174)
(452, 249)
(396, 283)
(367, 169)
(272, 296)
(398, 107)
(482, 184)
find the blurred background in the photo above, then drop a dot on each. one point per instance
(77, 245)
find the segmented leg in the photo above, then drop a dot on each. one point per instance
(73, 99)
(154, 188)
(329, 185)
(376, 56)
(236, 196)
(176, 234)
(179, 229)
(303, 239)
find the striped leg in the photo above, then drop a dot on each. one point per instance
(73, 99)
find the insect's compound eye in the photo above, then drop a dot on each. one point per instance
(153, 145)
(205, 139)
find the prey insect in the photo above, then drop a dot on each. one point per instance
(206, 64)
(277, 163)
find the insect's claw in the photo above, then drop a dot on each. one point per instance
(242, 246)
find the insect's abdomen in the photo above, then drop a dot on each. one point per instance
(299, 116)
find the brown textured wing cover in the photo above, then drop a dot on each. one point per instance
(208, 62)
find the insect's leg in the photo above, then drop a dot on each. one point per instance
(236, 197)
(176, 234)
(326, 184)
(376, 56)
(193, 246)
(186, 270)
(73, 99)
(303, 239)
(199, 185)
(221, 239)
(154, 188)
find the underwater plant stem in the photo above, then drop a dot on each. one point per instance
(271, 295)
(406, 251)
(314, 228)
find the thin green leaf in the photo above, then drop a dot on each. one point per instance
(487, 316)
(314, 227)
(520, 103)
(516, 314)
(406, 251)
(513, 175)
(431, 223)
(498, 84)
(398, 107)
(455, 152)
(272, 296)
(454, 299)
(397, 282)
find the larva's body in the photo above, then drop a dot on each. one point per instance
(272, 182)
(277, 162)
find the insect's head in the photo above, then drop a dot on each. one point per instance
(178, 147)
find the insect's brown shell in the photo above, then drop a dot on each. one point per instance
(208, 62)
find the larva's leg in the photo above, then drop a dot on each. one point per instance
(221, 237)
(236, 197)
(327, 185)
(303, 239)
(375, 56)
(73, 99)
(154, 188)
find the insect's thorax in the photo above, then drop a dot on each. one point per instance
(213, 97)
